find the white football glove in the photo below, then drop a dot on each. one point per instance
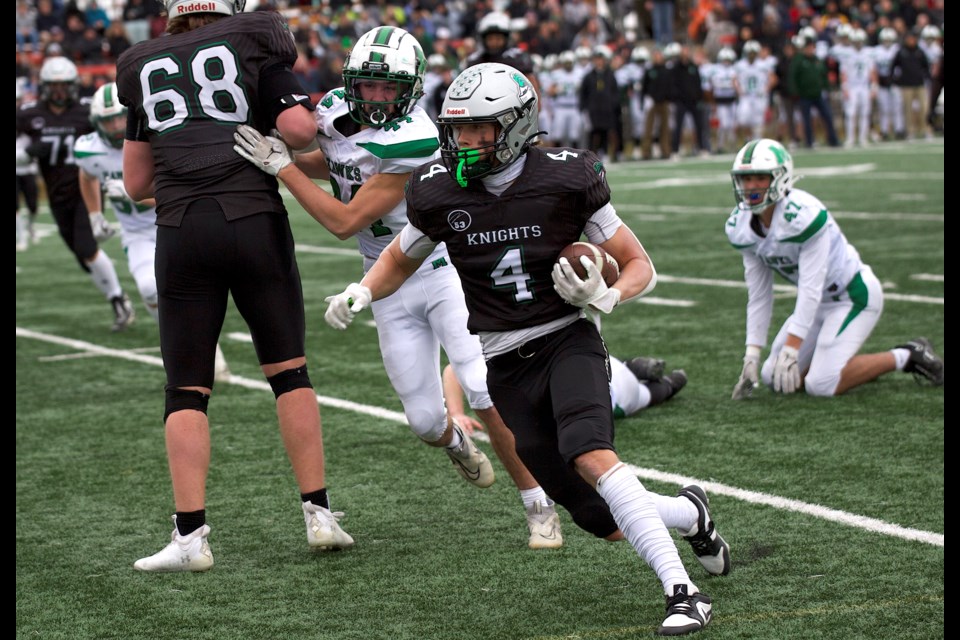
(749, 376)
(344, 306)
(102, 230)
(23, 158)
(114, 189)
(592, 292)
(267, 154)
(786, 372)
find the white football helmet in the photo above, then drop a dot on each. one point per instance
(59, 81)
(809, 34)
(751, 48)
(108, 116)
(640, 55)
(672, 50)
(183, 7)
(888, 35)
(727, 55)
(858, 37)
(494, 22)
(767, 157)
(843, 30)
(930, 32)
(488, 92)
(390, 54)
(567, 58)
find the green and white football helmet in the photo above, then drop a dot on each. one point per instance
(766, 157)
(488, 92)
(108, 116)
(389, 54)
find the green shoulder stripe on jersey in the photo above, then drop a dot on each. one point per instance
(414, 149)
(741, 246)
(87, 154)
(807, 233)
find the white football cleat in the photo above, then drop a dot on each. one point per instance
(544, 525)
(470, 462)
(323, 529)
(184, 553)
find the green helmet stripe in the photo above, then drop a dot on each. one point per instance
(376, 57)
(748, 152)
(108, 96)
(383, 35)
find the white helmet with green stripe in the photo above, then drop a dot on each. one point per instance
(766, 157)
(384, 54)
(108, 116)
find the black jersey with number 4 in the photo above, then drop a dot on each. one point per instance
(52, 136)
(504, 248)
(190, 91)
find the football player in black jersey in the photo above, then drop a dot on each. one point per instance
(223, 230)
(495, 33)
(505, 210)
(53, 124)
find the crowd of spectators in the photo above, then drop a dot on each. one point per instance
(93, 33)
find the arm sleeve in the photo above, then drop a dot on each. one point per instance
(602, 224)
(279, 90)
(759, 279)
(414, 243)
(814, 260)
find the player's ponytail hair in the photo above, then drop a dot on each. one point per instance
(191, 21)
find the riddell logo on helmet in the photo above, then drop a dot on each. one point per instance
(196, 7)
(456, 111)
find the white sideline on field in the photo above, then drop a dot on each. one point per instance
(817, 511)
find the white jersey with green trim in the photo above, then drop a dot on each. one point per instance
(799, 221)
(399, 147)
(99, 159)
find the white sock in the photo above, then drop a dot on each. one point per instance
(676, 512)
(636, 515)
(456, 440)
(902, 356)
(21, 228)
(530, 497)
(104, 275)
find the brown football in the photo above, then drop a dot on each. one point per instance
(607, 265)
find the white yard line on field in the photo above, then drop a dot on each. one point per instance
(817, 511)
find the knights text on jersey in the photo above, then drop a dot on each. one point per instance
(56, 134)
(399, 147)
(504, 248)
(200, 85)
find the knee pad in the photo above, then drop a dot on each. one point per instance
(821, 385)
(289, 380)
(150, 296)
(179, 399)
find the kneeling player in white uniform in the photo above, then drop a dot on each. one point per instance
(780, 229)
(100, 158)
(372, 136)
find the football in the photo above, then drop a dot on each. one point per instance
(606, 263)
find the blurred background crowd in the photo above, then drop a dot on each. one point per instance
(646, 78)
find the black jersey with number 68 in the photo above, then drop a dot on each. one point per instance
(504, 248)
(189, 92)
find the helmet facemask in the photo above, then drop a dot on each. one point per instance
(385, 54)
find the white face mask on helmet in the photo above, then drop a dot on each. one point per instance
(59, 82)
(387, 54)
(762, 157)
(487, 93)
(108, 116)
(184, 7)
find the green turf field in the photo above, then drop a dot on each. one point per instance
(834, 508)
